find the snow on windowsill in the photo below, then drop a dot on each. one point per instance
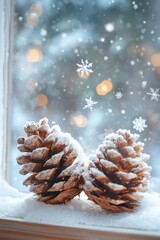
(80, 211)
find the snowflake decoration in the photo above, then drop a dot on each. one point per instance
(154, 93)
(119, 95)
(85, 67)
(89, 104)
(139, 124)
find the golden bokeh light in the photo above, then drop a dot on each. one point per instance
(83, 75)
(80, 121)
(32, 21)
(41, 100)
(104, 87)
(155, 60)
(36, 9)
(34, 55)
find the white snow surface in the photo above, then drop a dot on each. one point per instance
(80, 211)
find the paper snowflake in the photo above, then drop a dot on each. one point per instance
(119, 95)
(154, 93)
(89, 103)
(139, 124)
(85, 67)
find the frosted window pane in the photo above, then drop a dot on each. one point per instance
(121, 40)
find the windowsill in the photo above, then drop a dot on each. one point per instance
(21, 215)
(18, 229)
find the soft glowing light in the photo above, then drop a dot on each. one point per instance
(104, 87)
(155, 60)
(32, 21)
(34, 55)
(36, 9)
(41, 100)
(109, 27)
(83, 75)
(80, 121)
(34, 13)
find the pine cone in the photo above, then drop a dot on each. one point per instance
(54, 161)
(117, 173)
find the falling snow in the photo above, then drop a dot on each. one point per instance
(43, 32)
(118, 48)
(139, 124)
(110, 110)
(109, 27)
(85, 67)
(20, 18)
(132, 63)
(135, 6)
(119, 95)
(105, 58)
(154, 93)
(89, 103)
(144, 84)
(123, 111)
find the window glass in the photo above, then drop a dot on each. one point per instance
(90, 66)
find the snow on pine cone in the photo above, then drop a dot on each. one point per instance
(53, 160)
(117, 173)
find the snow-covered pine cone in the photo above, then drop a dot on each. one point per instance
(117, 173)
(53, 160)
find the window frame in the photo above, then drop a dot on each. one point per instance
(17, 228)
(6, 13)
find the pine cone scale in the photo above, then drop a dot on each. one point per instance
(46, 174)
(54, 161)
(24, 159)
(30, 180)
(65, 195)
(32, 167)
(39, 188)
(33, 142)
(40, 154)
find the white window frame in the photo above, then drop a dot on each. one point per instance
(16, 228)
(6, 8)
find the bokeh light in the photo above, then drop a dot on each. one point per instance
(83, 75)
(41, 100)
(80, 121)
(32, 21)
(155, 60)
(34, 55)
(109, 27)
(104, 87)
(36, 9)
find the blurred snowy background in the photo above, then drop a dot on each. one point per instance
(120, 38)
